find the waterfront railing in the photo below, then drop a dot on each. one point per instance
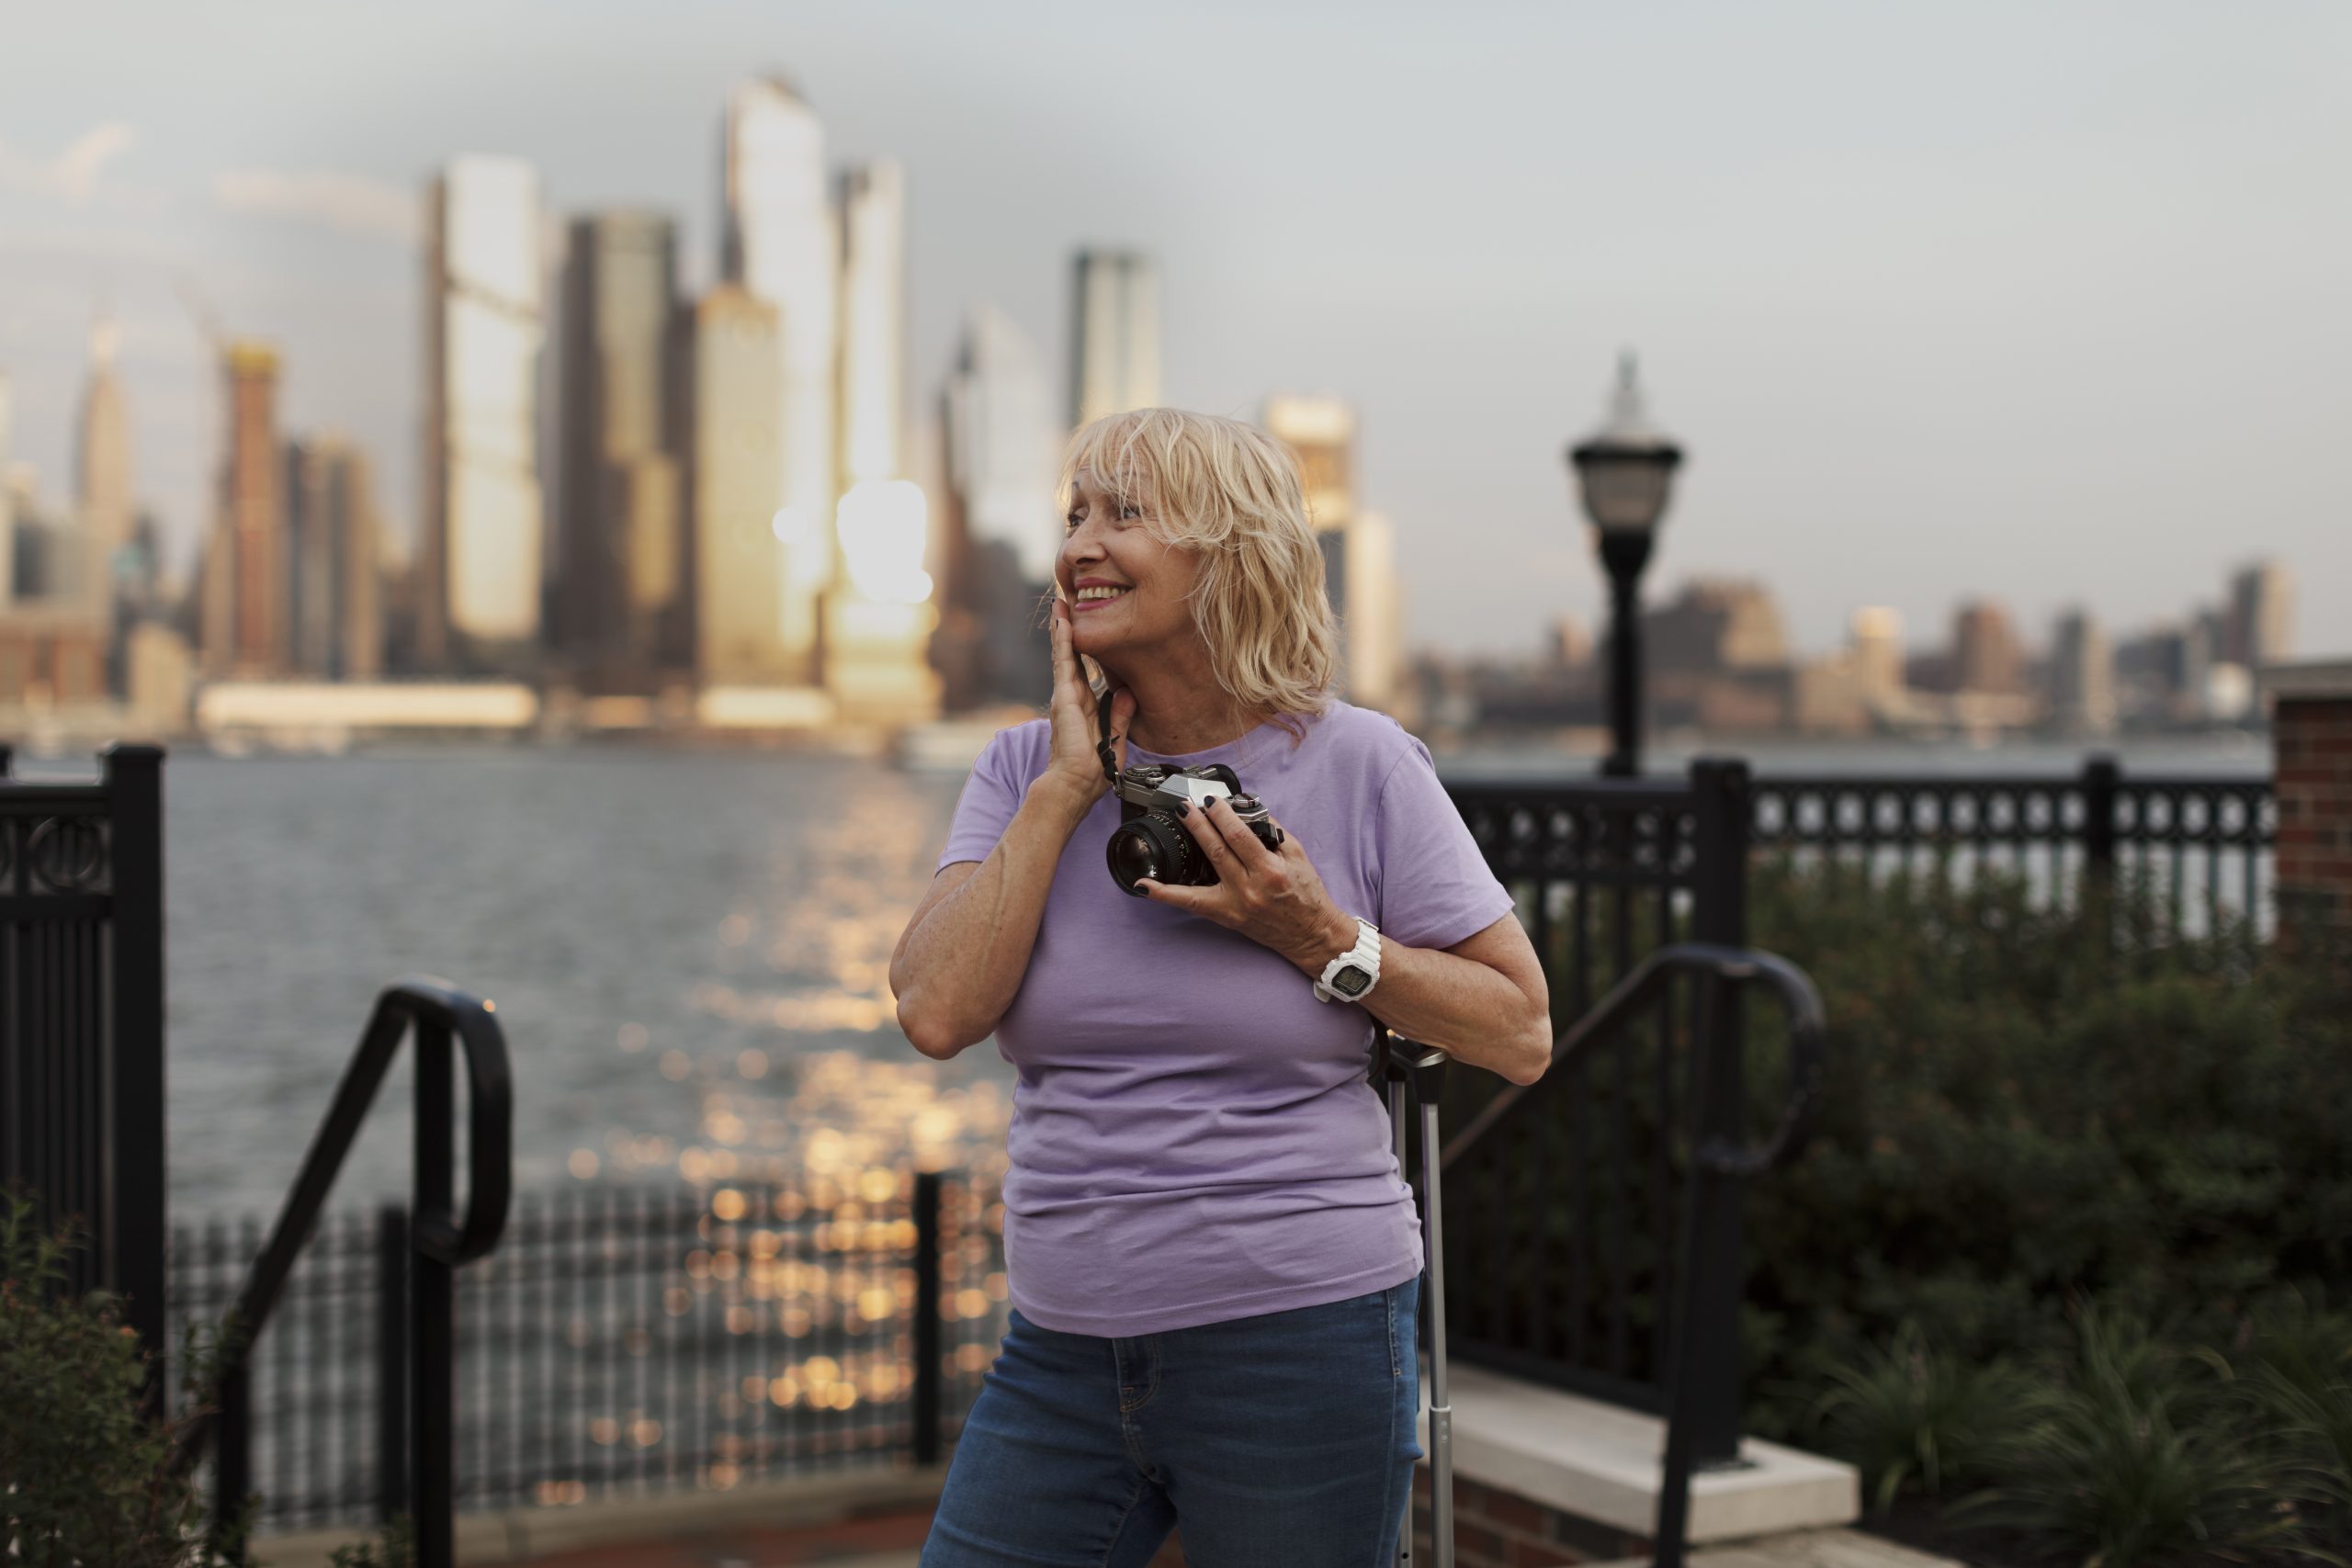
(626, 1341)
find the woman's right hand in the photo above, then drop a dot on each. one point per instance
(1074, 761)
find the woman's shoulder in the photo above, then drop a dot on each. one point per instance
(1018, 748)
(1363, 737)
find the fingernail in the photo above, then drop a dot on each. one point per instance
(1182, 809)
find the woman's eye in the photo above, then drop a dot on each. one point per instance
(1070, 523)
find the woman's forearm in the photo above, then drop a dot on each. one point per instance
(960, 963)
(1484, 1002)
(1473, 1013)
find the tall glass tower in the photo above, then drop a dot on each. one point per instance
(478, 608)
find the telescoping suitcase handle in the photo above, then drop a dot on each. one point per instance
(1412, 1075)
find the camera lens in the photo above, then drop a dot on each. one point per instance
(1151, 846)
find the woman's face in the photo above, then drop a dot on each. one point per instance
(1128, 591)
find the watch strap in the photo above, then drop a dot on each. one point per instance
(1363, 956)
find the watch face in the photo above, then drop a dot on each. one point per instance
(1350, 981)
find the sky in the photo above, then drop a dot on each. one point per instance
(2045, 303)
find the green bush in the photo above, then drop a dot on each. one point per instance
(2143, 1454)
(84, 1476)
(1912, 1416)
(2021, 1111)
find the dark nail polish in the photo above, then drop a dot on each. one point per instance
(1182, 809)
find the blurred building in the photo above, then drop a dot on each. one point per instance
(243, 582)
(1986, 655)
(2259, 623)
(1715, 657)
(1878, 657)
(1567, 643)
(873, 323)
(1374, 626)
(1713, 626)
(1359, 546)
(878, 614)
(735, 489)
(479, 566)
(335, 607)
(53, 655)
(7, 506)
(780, 245)
(997, 534)
(104, 503)
(159, 675)
(621, 603)
(1115, 334)
(1320, 431)
(2082, 675)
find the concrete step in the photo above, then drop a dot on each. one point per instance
(1806, 1549)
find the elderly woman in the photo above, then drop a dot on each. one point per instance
(1212, 1257)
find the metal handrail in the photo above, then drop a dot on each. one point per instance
(1732, 966)
(1718, 1162)
(440, 1240)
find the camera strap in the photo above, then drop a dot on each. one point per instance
(1103, 750)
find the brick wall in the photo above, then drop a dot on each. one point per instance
(1494, 1529)
(2312, 735)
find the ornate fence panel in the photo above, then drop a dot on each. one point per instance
(2199, 844)
(1562, 1223)
(82, 1017)
(629, 1341)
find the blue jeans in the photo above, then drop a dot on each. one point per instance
(1285, 1440)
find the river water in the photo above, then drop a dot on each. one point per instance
(688, 949)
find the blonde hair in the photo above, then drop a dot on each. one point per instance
(1232, 492)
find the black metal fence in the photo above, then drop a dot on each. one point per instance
(1563, 1219)
(2200, 845)
(82, 1017)
(625, 1340)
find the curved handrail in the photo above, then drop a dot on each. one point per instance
(1730, 965)
(415, 1000)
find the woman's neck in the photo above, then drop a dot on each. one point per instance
(1180, 711)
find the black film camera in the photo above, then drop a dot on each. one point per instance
(1149, 841)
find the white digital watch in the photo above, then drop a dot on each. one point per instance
(1351, 977)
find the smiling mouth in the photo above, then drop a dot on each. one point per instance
(1090, 598)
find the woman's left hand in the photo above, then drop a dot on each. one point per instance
(1272, 896)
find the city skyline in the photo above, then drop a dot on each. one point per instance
(2025, 338)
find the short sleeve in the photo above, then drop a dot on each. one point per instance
(1434, 887)
(994, 793)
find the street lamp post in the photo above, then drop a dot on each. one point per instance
(1623, 471)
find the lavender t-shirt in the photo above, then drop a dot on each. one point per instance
(1193, 1135)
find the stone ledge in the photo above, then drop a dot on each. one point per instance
(1597, 1461)
(2324, 679)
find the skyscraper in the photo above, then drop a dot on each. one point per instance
(245, 629)
(336, 601)
(1321, 431)
(1002, 445)
(1985, 654)
(102, 472)
(2082, 675)
(736, 387)
(873, 323)
(1878, 657)
(479, 594)
(998, 533)
(1375, 623)
(622, 534)
(1115, 334)
(2259, 623)
(8, 507)
(782, 246)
